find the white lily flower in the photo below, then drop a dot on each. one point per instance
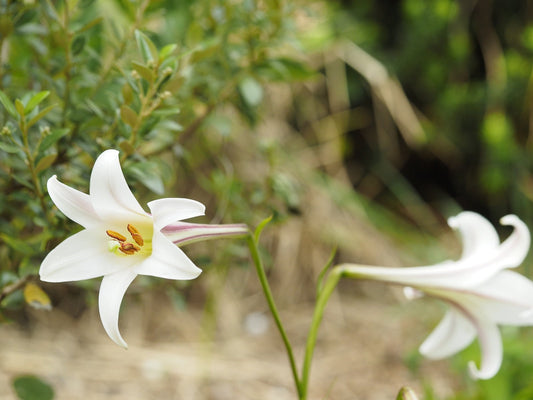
(480, 289)
(121, 240)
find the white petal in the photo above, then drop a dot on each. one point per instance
(182, 233)
(490, 342)
(453, 334)
(110, 195)
(167, 261)
(168, 211)
(506, 299)
(83, 255)
(112, 291)
(515, 248)
(477, 233)
(73, 203)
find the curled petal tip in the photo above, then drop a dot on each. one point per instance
(452, 222)
(476, 373)
(510, 219)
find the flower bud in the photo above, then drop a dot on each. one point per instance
(406, 393)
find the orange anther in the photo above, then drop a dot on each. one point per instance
(135, 235)
(132, 229)
(115, 235)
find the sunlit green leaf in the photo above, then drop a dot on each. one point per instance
(144, 71)
(167, 51)
(20, 108)
(35, 101)
(146, 47)
(8, 104)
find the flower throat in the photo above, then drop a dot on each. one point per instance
(124, 246)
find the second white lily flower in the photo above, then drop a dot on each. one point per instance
(121, 240)
(480, 289)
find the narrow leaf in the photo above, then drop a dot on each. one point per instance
(167, 51)
(20, 107)
(8, 104)
(89, 25)
(146, 47)
(19, 245)
(40, 115)
(128, 115)
(45, 162)
(35, 101)
(9, 148)
(52, 138)
(144, 71)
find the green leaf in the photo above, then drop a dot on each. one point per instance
(251, 91)
(40, 115)
(8, 104)
(10, 148)
(147, 173)
(167, 51)
(35, 101)
(19, 245)
(284, 69)
(146, 47)
(45, 162)
(89, 25)
(52, 138)
(20, 107)
(128, 115)
(29, 387)
(260, 228)
(77, 45)
(144, 71)
(126, 147)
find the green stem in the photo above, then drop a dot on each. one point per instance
(270, 300)
(323, 297)
(31, 164)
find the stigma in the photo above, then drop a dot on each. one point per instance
(121, 242)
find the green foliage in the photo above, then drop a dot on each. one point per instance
(28, 387)
(146, 78)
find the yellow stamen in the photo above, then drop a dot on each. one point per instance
(120, 241)
(135, 235)
(116, 235)
(129, 248)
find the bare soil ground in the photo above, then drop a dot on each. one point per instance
(360, 354)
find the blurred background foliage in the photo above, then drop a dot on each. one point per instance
(392, 115)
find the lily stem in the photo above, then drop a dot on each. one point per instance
(273, 309)
(322, 300)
